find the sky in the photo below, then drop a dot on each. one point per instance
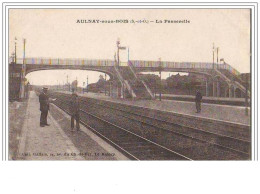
(56, 34)
(59, 77)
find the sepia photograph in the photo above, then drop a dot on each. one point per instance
(129, 97)
(129, 84)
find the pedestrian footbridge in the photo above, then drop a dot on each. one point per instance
(221, 80)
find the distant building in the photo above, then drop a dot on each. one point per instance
(245, 77)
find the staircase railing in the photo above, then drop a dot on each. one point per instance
(143, 82)
(222, 76)
(240, 86)
(123, 81)
(230, 70)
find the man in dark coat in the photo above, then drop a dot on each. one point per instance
(44, 107)
(74, 110)
(198, 99)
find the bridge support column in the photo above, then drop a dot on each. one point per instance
(207, 89)
(118, 92)
(229, 91)
(22, 85)
(214, 89)
(226, 92)
(122, 91)
(218, 89)
(234, 93)
(110, 90)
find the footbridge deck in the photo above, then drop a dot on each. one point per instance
(214, 73)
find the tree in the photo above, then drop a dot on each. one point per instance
(101, 83)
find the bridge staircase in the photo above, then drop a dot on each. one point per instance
(140, 84)
(130, 79)
(231, 78)
(124, 82)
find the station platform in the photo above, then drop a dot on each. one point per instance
(57, 141)
(227, 113)
(206, 100)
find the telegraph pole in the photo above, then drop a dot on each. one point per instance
(15, 50)
(118, 48)
(105, 84)
(22, 85)
(118, 43)
(15, 62)
(76, 84)
(213, 54)
(128, 55)
(115, 58)
(109, 93)
(160, 72)
(122, 48)
(87, 83)
(217, 54)
(13, 55)
(155, 88)
(24, 42)
(24, 67)
(68, 84)
(246, 97)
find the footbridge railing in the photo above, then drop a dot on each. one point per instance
(185, 65)
(67, 61)
(136, 63)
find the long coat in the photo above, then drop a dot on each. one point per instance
(74, 105)
(44, 102)
(198, 97)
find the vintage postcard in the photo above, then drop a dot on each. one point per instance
(129, 83)
(120, 97)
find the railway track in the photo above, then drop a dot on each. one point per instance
(220, 128)
(184, 142)
(225, 141)
(132, 145)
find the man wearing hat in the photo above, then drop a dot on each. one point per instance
(198, 99)
(74, 110)
(44, 106)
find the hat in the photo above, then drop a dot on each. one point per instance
(75, 94)
(45, 88)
